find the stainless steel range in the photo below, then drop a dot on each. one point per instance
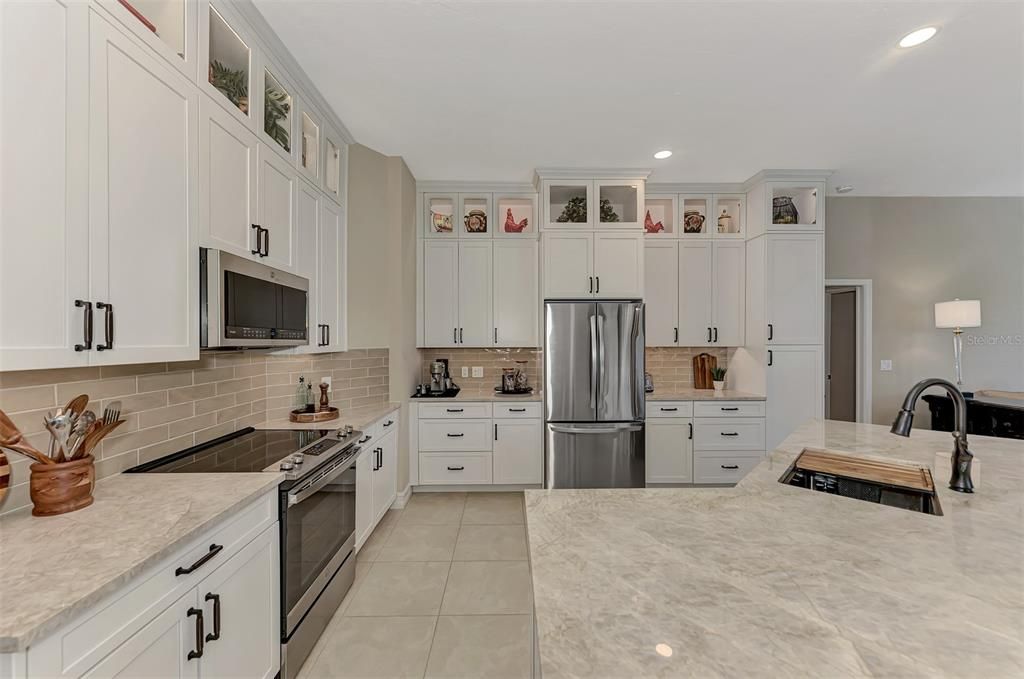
(317, 512)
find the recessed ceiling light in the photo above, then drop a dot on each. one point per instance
(662, 155)
(919, 36)
(664, 650)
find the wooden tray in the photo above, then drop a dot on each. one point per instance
(888, 473)
(5, 475)
(331, 413)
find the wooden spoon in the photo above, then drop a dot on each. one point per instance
(94, 437)
(13, 439)
(77, 405)
(5, 476)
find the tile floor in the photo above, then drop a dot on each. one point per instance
(442, 589)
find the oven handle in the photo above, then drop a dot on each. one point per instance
(305, 492)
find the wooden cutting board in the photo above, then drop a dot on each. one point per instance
(889, 473)
(702, 365)
(5, 476)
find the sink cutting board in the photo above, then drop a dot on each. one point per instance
(889, 473)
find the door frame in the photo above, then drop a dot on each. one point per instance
(863, 290)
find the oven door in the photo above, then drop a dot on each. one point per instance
(318, 523)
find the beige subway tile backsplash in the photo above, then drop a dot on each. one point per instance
(171, 406)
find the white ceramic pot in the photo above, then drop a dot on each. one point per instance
(719, 385)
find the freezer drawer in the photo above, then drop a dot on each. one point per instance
(594, 455)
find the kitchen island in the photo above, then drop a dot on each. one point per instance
(767, 579)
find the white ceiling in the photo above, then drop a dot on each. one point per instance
(480, 90)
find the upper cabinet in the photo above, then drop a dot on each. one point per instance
(619, 203)
(335, 165)
(310, 135)
(695, 215)
(574, 203)
(476, 218)
(593, 265)
(786, 201)
(440, 212)
(568, 203)
(476, 214)
(226, 60)
(515, 215)
(277, 109)
(168, 27)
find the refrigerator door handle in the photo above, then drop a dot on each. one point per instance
(601, 377)
(610, 429)
(593, 362)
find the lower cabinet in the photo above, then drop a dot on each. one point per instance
(668, 450)
(376, 476)
(514, 457)
(795, 386)
(385, 476)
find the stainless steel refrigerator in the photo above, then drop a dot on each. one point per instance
(594, 394)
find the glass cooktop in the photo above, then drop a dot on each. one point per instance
(246, 450)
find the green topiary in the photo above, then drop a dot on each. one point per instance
(575, 211)
(275, 111)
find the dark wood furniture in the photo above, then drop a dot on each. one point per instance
(985, 416)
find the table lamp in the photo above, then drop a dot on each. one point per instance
(958, 314)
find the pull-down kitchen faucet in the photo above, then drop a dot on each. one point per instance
(960, 480)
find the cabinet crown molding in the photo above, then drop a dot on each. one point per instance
(637, 173)
(673, 187)
(454, 186)
(787, 176)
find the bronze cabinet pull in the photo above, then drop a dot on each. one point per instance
(214, 551)
(198, 652)
(87, 326)
(108, 326)
(215, 598)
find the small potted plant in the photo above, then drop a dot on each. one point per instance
(718, 378)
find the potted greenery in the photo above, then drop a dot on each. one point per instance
(718, 378)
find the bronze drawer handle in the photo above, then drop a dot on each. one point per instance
(214, 551)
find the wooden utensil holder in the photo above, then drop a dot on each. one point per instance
(62, 487)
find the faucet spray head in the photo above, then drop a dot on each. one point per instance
(901, 425)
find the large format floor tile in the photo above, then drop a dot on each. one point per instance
(488, 587)
(419, 543)
(371, 548)
(375, 647)
(494, 646)
(400, 588)
(491, 543)
(434, 509)
(494, 508)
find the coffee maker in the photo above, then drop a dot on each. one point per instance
(440, 379)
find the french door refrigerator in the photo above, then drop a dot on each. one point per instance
(594, 394)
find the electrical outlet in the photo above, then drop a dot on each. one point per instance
(465, 371)
(885, 365)
(478, 371)
(326, 380)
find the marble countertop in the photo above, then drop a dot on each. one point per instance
(702, 395)
(359, 418)
(482, 397)
(135, 521)
(713, 582)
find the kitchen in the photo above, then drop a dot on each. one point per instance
(490, 368)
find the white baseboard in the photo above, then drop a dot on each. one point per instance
(472, 488)
(402, 499)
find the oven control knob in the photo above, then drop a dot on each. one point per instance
(287, 466)
(298, 458)
(349, 429)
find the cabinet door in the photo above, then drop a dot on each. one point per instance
(227, 181)
(385, 476)
(695, 267)
(440, 293)
(278, 186)
(568, 265)
(331, 276)
(568, 203)
(619, 204)
(307, 255)
(364, 496)
(244, 594)
(44, 225)
(618, 265)
(518, 456)
(727, 293)
(144, 249)
(794, 390)
(661, 293)
(668, 450)
(795, 288)
(160, 649)
(516, 299)
(475, 327)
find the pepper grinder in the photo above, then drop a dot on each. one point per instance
(324, 403)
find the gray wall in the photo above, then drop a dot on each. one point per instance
(382, 272)
(918, 251)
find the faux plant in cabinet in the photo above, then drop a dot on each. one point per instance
(278, 113)
(619, 203)
(568, 204)
(228, 66)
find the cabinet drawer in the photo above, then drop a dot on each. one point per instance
(669, 408)
(728, 409)
(454, 410)
(722, 468)
(728, 434)
(445, 435)
(446, 468)
(526, 409)
(388, 424)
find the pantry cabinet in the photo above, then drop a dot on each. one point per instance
(794, 290)
(794, 387)
(593, 265)
(694, 293)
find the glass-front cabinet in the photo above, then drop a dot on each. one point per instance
(309, 143)
(730, 212)
(278, 112)
(475, 215)
(577, 203)
(695, 215)
(619, 203)
(567, 203)
(167, 26)
(439, 215)
(794, 206)
(228, 55)
(660, 215)
(515, 214)
(334, 164)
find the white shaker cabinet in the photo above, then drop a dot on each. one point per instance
(568, 265)
(668, 450)
(44, 225)
(618, 265)
(601, 265)
(794, 289)
(331, 281)
(695, 296)
(475, 326)
(794, 390)
(727, 293)
(440, 291)
(516, 297)
(661, 292)
(515, 452)
(277, 186)
(364, 496)
(385, 476)
(143, 149)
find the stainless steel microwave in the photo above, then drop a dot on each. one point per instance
(247, 304)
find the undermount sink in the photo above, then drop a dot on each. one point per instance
(888, 483)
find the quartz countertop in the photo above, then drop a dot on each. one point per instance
(783, 581)
(702, 395)
(135, 521)
(481, 397)
(359, 418)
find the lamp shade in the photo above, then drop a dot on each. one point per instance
(960, 313)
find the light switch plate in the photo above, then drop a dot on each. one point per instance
(886, 365)
(326, 380)
(465, 371)
(478, 371)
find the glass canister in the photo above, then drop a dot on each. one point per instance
(522, 381)
(508, 379)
